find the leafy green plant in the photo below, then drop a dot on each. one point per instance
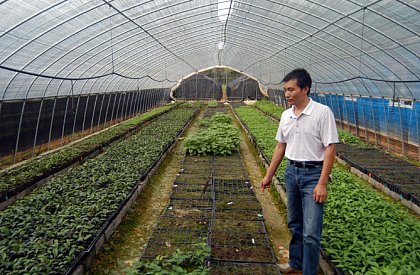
(364, 232)
(42, 167)
(212, 104)
(270, 108)
(46, 230)
(180, 262)
(217, 137)
(349, 139)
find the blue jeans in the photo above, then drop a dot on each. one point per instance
(304, 217)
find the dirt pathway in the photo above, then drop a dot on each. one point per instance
(274, 212)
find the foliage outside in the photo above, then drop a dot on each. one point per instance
(180, 262)
(217, 136)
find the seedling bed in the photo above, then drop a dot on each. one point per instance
(166, 236)
(188, 213)
(156, 249)
(225, 268)
(197, 161)
(232, 186)
(235, 203)
(398, 175)
(180, 194)
(231, 176)
(242, 253)
(187, 203)
(254, 227)
(192, 179)
(185, 223)
(234, 238)
(239, 214)
(195, 171)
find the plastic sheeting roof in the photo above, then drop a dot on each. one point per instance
(359, 47)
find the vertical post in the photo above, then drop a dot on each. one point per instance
(51, 123)
(126, 104)
(20, 125)
(84, 114)
(196, 86)
(374, 120)
(93, 113)
(100, 109)
(346, 112)
(402, 129)
(64, 122)
(37, 126)
(356, 117)
(417, 126)
(133, 99)
(107, 108)
(364, 121)
(182, 88)
(113, 106)
(75, 113)
(340, 113)
(386, 123)
(119, 114)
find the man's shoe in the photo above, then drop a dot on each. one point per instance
(287, 269)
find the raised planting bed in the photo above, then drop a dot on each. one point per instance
(50, 230)
(242, 253)
(269, 108)
(17, 181)
(396, 174)
(238, 238)
(189, 212)
(363, 231)
(222, 268)
(239, 214)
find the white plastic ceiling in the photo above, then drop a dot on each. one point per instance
(359, 47)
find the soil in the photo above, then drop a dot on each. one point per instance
(241, 253)
(223, 268)
(234, 238)
(242, 215)
(273, 210)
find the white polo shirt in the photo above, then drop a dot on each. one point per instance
(308, 134)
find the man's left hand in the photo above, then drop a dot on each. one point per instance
(320, 193)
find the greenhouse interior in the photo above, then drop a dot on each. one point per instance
(161, 137)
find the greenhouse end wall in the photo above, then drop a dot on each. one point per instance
(26, 124)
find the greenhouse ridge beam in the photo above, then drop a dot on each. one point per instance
(82, 78)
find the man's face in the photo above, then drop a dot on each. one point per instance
(293, 93)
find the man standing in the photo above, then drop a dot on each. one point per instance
(306, 136)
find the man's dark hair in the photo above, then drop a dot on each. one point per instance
(302, 77)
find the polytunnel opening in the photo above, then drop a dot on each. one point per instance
(138, 137)
(221, 84)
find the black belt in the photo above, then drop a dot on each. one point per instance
(306, 164)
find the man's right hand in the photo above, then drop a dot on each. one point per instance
(265, 183)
